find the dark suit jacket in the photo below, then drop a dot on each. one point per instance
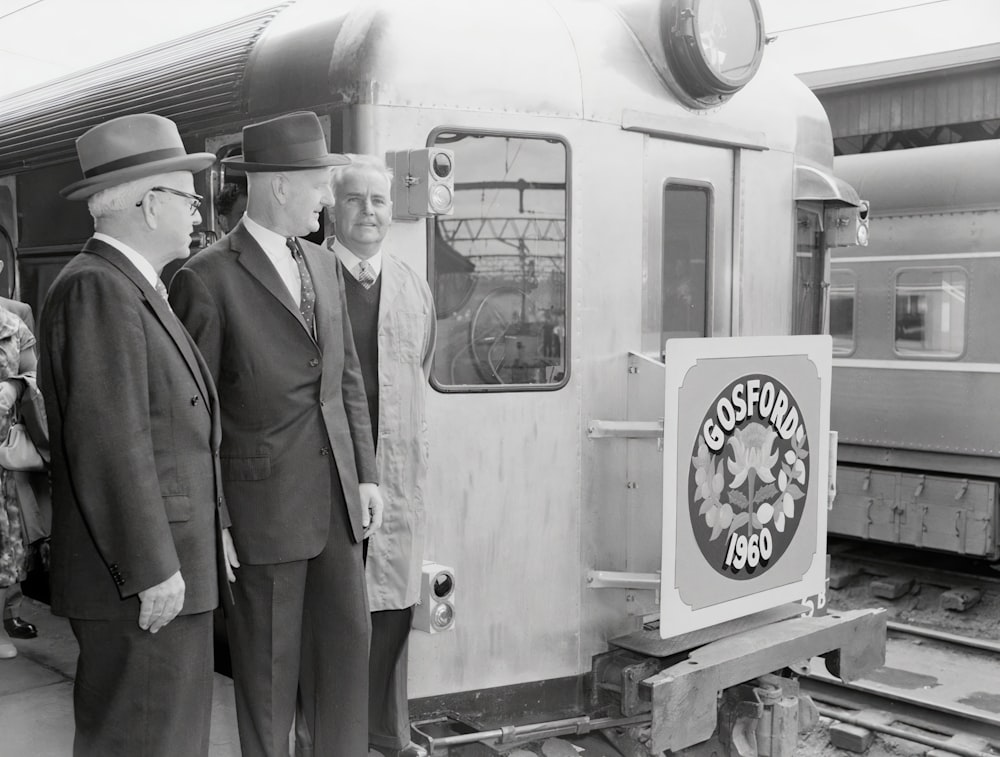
(292, 405)
(134, 426)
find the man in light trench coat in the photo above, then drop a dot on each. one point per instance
(392, 316)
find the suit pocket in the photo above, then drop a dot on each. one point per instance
(177, 508)
(246, 468)
(408, 336)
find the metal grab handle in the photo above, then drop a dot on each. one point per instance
(963, 489)
(920, 487)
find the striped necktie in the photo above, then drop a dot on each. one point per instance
(365, 276)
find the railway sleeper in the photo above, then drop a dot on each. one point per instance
(723, 696)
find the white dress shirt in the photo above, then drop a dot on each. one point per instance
(277, 252)
(144, 266)
(351, 261)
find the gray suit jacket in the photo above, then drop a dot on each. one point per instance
(134, 427)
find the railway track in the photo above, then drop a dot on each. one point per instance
(936, 688)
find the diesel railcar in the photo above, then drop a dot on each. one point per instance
(917, 351)
(581, 181)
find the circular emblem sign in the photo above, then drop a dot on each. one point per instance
(748, 478)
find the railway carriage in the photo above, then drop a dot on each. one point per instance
(582, 182)
(913, 319)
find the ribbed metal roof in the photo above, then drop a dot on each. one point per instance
(196, 81)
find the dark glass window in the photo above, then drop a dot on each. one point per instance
(686, 215)
(498, 265)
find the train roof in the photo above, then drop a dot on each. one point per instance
(593, 60)
(942, 178)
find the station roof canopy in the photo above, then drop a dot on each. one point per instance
(941, 98)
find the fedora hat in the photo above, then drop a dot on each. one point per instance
(128, 148)
(293, 142)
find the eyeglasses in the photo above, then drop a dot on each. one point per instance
(196, 200)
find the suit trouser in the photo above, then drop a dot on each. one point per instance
(388, 709)
(303, 627)
(138, 693)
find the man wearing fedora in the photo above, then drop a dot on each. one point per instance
(298, 461)
(135, 428)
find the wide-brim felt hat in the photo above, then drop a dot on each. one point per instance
(128, 148)
(292, 142)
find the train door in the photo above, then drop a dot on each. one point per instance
(688, 255)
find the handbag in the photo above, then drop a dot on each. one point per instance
(18, 452)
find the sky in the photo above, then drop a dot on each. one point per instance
(44, 39)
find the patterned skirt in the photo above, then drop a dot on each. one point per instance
(13, 555)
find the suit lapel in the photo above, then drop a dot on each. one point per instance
(256, 262)
(326, 275)
(159, 307)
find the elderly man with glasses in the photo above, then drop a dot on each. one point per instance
(139, 520)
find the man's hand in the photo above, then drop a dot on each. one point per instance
(229, 552)
(161, 603)
(371, 508)
(8, 396)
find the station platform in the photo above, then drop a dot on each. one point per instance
(36, 693)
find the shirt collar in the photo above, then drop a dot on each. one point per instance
(350, 260)
(270, 241)
(144, 266)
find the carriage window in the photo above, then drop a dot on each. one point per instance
(498, 266)
(843, 293)
(685, 260)
(930, 313)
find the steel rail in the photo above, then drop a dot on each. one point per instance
(901, 733)
(929, 633)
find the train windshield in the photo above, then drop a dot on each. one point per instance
(498, 266)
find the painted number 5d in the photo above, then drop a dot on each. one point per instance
(747, 551)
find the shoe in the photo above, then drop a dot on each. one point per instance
(20, 629)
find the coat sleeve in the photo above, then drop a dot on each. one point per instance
(194, 305)
(355, 399)
(98, 350)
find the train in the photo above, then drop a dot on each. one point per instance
(916, 365)
(593, 188)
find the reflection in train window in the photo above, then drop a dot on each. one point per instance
(498, 266)
(807, 316)
(930, 312)
(685, 260)
(843, 293)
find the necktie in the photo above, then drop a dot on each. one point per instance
(162, 291)
(365, 276)
(307, 299)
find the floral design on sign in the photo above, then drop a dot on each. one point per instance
(748, 477)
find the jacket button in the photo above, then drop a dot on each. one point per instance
(322, 403)
(324, 451)
(313, 363)
(195, 400)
